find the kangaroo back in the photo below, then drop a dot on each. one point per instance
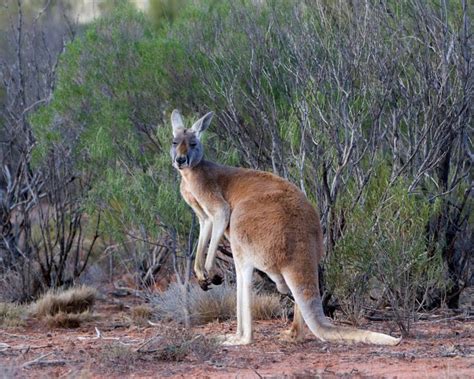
(272, 227)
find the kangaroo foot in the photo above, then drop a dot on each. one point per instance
(234, 340)
(293, 335)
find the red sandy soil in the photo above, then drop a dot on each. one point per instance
(442, 346)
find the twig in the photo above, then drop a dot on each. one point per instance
(144, 343)
(23, 348)
(51, 363)
(36, 360)
(13, 335)
(4, 346)
(98, 336)
(463, 317)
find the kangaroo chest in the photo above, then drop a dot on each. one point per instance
(195, 199)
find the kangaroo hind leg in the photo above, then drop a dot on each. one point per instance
(244, 305)
(296, 331)
(280, 283)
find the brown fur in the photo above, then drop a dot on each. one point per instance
(271, 226)
(267, 212)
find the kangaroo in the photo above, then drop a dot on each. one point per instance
(271, 227)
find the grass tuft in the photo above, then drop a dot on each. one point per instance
(170, 345)
(66, 309)
(266, 306)
(74, 300)
(140, 314)
(174, 344)
(219, 303)
(12, 315)
(68, 320)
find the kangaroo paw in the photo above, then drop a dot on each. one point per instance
(235, 340)
(204, 284)
(207, 280)
(217, 279)
(292, 335)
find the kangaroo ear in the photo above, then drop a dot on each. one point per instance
(202, 124)
(176, 122)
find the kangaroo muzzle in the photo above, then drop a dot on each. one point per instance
(181, 161)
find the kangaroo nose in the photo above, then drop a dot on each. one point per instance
(181, 160)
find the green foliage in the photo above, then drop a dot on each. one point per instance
(385, 249)
(165, 11)
(292, 86)
(111, 94)
(110, 111)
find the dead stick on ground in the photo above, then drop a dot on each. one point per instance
(36, 360)
(30, 347)
(4, 346)
(462, 317)
(146, 342)
(57, 362)
(13, 335)
(98, 336)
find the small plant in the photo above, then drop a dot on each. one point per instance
(73, 300)
(406, 262)
(117, 353)
(141, 314)
(12, 315)
(219, 303)
(385, 247)
(66, 309)
(68, 320)
(175, 344)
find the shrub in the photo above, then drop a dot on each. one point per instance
(68, 320)
(174, 344)
(219, 303)
(306, 91)
(385, 244)
(12, 315)
(74, 300)
(170, 344)
(141, 314)
(118, 354)
(18, 285)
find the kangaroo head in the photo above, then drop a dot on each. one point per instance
(187, 150)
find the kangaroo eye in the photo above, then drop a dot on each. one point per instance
(193, 144)
(175, 143)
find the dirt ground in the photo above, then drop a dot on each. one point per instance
(112, 347)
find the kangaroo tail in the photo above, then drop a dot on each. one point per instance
(309, 301)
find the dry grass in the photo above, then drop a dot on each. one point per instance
(74, 300)
(66, 309)
(140, 314)
(68, 320)
(266, 306)
(219, 303)
(118, 354)
(216, 304)
(170, 344)
(82, 373)
(12, 315)
(173, 344)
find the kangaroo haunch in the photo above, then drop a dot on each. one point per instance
(271, 226)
